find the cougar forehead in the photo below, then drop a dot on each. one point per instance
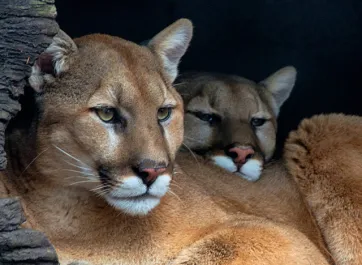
(236, 98)
(124, 68)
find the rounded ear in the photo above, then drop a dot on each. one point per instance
(53, 61)
(171, 44)
(280, 85)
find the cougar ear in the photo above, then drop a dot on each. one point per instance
(53, 61)
(280, 85)
(171, 44)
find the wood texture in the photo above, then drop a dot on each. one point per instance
(26, 29)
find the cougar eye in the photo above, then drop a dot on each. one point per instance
(163, 114)
(211, 118)
(206, 117)
(106, 114)
(256, 122)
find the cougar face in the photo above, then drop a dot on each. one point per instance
(112, 120)
(233, 121)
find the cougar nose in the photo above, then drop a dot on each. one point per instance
(240, 154)
(149, 175)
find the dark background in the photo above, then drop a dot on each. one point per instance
(322, 39)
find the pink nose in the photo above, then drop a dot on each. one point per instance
(150, 174)
(240, 155)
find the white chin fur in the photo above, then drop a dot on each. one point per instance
(135, 206)
(125, 197)
(250, 171)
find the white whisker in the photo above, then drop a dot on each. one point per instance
(194, 140)
(84, 181)
(102, 192)
(76, 159)
(77, 171)
(174, 194)
(99, 188)
(85, 168)
(83, 177)
(174, 184)
(192, 153)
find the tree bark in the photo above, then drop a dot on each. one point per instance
(26, 29)
(18, 245)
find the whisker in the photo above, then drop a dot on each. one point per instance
(174, 194)
(193, 139)
(180, 84)
(76, 159)
(83, 177)
(192, 153)
(32, 161)
(84, 181)
(77, 171)
(85, 168)
(101, 193)
(99, 188)
(178, 186)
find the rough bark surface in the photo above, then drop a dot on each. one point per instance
(19, 245)
(11, 214)
(26, 29)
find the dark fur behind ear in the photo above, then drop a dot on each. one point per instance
(53, 61)
(45, 63)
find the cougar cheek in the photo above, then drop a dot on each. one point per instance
(267, 144)
(174, 134)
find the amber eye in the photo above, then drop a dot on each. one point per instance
(164, 114)
(106, 114)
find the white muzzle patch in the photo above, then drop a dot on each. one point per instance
(133, 198)
(250, 171)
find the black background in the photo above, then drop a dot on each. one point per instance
(322, 39)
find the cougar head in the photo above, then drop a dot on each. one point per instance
(233, 121)
(110, 118)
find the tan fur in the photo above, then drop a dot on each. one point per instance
(324, 156)
(235, 101)
(203, 219)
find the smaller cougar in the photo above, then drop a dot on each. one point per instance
(232, 120)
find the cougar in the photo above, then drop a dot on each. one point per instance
(231, 120)
(96, 168)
